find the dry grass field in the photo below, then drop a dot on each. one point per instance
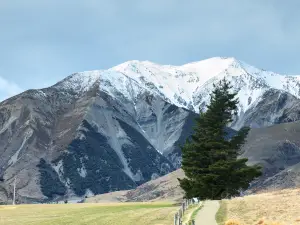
(91, 214)
(280, 207)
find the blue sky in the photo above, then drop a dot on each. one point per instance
(43, 41)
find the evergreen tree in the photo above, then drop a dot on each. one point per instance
(209, 158)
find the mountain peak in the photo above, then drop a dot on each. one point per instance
(213, 65)
(79, 81)
(133, 65)
(181, 85)
(205, 68)
(186, 85)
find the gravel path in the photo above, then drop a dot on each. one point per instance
(206, 216)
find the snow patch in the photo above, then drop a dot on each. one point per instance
(138, 176)
(79, 82)
(58, 167)
(82, 171)
(89, 193)
(154, 176)
(80, 136)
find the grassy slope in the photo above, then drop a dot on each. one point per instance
(81, 214)
(280, 206)
(194, 214)
(221, 215)
(191, 213)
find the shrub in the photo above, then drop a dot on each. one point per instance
(265, 222)
(233, 222)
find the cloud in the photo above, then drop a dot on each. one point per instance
(8, 89)
(44, 41)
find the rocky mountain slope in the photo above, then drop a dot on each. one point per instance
(277, 149)
(101, 131)
(61, 141)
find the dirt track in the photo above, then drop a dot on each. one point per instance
(206, 216)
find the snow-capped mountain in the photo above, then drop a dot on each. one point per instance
(107, 130)
(187, 86)
(182, 85)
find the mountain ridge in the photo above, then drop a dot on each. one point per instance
(110, 130)
(186, 86)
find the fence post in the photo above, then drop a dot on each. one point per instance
(179, 215)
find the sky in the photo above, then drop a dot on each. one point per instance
(43, 41)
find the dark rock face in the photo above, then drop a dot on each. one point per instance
(175, 153)
(144, 158)
(277, 149)
(274, 107)
(91, 163)
(49, 181)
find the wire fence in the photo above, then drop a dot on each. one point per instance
(178, 217)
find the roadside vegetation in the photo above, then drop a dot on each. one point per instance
(221, 216)
(191, 213)
(194, 214)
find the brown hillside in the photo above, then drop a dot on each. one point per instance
(161, 189)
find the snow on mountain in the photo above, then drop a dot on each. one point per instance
(186, 86)
(79, 82)
(176, 83)
(189, 85)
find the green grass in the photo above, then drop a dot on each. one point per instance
(188, 213)
(196, 212)
(91, 214)
(221, 215)
(191, 213)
